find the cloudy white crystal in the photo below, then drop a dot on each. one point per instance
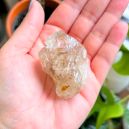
(64, 59)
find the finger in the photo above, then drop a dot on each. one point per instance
(47, 31)
(101, 30)
(88, 17)
(65, 15)
(36, 49)
(105, 56)
(62, 18)
(93, 87)
(25, 36)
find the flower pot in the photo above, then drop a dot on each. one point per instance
(116, 81)
(1, 31)
(50, 7)
(19, 11)
(14, 15)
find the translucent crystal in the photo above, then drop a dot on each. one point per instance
(64, 59)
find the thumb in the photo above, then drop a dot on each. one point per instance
(24, 37)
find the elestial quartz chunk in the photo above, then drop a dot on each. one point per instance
(64, 59)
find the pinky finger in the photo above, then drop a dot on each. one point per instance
(106, 54)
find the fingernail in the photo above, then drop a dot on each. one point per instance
(31, 3)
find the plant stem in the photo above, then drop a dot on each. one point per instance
(124, 100)
(110, 124)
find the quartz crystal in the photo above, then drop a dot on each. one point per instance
(64, 59)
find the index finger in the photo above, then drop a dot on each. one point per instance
(65, 15)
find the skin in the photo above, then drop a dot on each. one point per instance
(27, 97)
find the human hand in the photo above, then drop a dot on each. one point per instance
(27, 96)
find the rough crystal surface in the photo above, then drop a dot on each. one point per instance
(64, 59)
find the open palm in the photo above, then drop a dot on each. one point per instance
(27, 96)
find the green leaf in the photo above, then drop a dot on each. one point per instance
(110, 97)
(97, 106)
(122, 66)
(100, 119)
(105, 126)
(109, 112)
(114, 111)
